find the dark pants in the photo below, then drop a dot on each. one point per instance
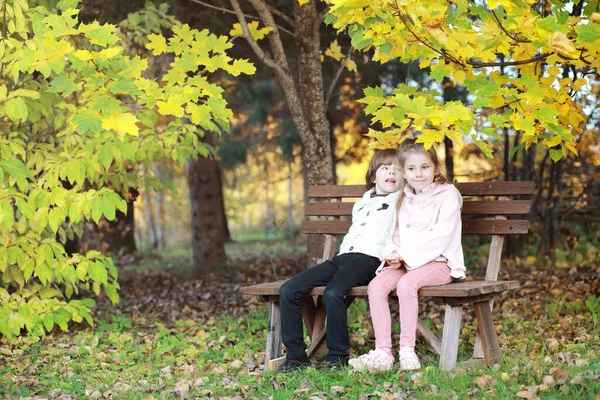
(339, 275)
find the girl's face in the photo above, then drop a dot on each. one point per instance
(419, 171)
(388, 179)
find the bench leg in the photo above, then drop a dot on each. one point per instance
(478, 349)
(274, 341)
(487, 333)
(452, 320)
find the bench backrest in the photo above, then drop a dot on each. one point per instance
(486, 207)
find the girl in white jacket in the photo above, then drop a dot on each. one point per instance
(355, 265)
(424, 250)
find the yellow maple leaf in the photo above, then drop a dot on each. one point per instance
(84, 55)
(560, 43)
(255, 32)
(121, 124)
(595, 17)
(554, 141)
(334, 51)
(170, 108)
(303, 2)
(158, 44)
(429, 137)
(351, 65)
(236, 30)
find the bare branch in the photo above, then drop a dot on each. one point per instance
(337, 77)
(226, 10)
(259, 52)
(274, 38)
(283, 16)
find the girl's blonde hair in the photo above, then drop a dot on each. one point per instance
(381, 157)
(411, 148)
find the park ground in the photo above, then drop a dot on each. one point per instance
(173, 336)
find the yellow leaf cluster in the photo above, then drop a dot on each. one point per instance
(256, 33)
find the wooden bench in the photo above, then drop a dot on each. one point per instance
(486, 208)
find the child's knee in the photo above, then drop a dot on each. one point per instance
(406, 286)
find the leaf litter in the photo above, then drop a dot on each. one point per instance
(544, 322)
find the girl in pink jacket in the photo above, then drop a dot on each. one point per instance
(424, 250)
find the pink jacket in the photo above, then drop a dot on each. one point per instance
(429, 229)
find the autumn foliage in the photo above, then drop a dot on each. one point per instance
(525, 64)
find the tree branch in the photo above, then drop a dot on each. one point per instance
(276, 44)
(479, 64)
(226, 10)
(337, 77)
(253, 43)
(510, 35)
(283, 16)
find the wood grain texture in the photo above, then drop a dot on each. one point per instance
(455, 289)
(450, 336)
(470, 207)
(470, 227)
(487, 333)
(500, 188)
(274, 341)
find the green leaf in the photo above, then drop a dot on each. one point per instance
(112, 293)
(87, 121)
(28, 266)
(44, 272)
(556, 154)
(106, 155)
(102, 35)
(55, 217)
(16, 110)
(7, 214)
(386, 48)
(82, 270)
(69, 273)
(48, 293)
(63, 84)
(518, 147)
(439, 72)
(97, 272)
(48, 322)
(589, 33)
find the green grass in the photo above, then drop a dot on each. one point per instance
(135, 358)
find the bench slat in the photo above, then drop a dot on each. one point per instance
(456, 289)
(497, 207)
(514, 188)
(470, 227)
(495, 227)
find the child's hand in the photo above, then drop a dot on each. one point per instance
(393, 260)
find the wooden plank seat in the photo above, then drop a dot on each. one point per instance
(482, 215)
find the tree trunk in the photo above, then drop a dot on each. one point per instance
(160, 211)
(449, 160)
(207, 222)
(115, 238)
(290, 218)
(222, 214)
(449, 94)
(305, 96)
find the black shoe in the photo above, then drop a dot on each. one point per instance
(292, 365)
(333, 364)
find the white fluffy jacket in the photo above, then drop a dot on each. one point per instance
(429, 229)
(372, 223)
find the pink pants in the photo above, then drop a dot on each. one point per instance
(407, 285)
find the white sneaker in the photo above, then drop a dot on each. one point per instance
(374, 361)
(408, 359)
